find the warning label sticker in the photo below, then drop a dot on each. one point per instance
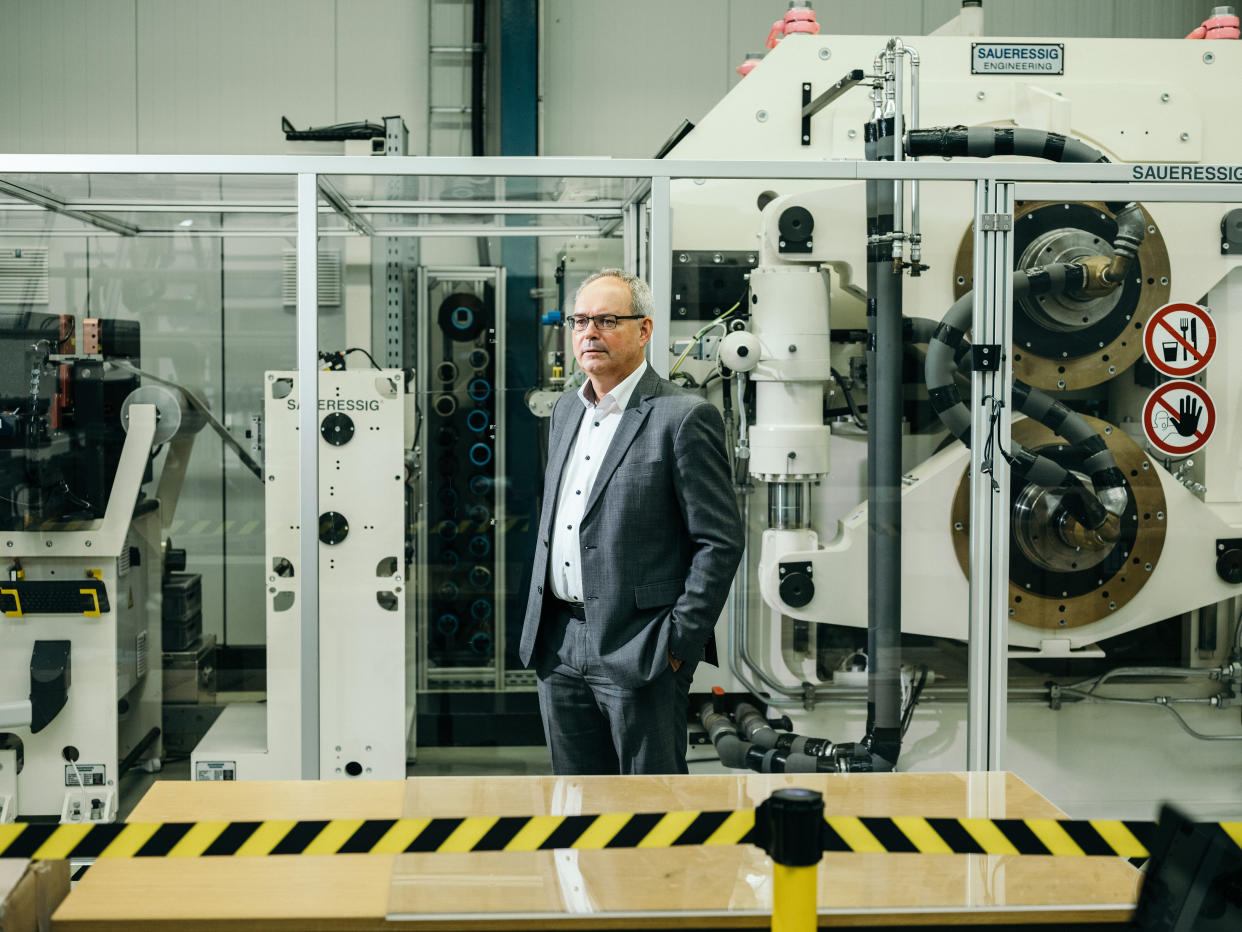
(1179, 417)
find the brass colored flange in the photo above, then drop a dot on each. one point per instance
(1119, 578)
(1119, 349)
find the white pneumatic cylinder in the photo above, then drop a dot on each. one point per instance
(789, 318)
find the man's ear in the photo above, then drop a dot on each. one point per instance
(645, 327)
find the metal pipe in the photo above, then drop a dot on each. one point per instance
(899, 184)
(1162, 702)
(789, 505)
(916, 236)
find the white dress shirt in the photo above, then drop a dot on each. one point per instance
(595, 432)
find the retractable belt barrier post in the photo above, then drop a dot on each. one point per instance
(788, 826)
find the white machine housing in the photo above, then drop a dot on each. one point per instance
(363, 718)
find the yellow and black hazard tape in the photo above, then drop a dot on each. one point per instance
(544, 833)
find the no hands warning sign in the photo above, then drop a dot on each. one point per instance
(1179, 339)
(1179, 417)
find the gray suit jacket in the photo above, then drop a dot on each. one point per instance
(661, 537)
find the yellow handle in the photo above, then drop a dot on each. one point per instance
(94, 594)
(16, 601)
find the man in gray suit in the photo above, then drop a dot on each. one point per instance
(638, 543)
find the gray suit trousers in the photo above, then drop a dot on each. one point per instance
(595, 726)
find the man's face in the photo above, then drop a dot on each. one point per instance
(609, 356)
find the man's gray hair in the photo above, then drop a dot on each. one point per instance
(641, 301)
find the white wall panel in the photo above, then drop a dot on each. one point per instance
(217, 77)
(381, 69)
(67, 76)
(620, 77)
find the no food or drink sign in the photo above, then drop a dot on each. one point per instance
(1179, 339)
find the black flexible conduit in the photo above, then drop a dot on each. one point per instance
(943, 355)
(982, 142)
(944, 350)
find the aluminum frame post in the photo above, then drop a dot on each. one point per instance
(308, 461)
(661, 268)
(990, 388)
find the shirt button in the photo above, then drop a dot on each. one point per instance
(567, 563)
(597, 423)
(577, 491)
(569, 527)
(588, 456)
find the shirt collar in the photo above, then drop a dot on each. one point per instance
(621, 392)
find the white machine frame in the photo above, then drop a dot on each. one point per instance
(986, 700)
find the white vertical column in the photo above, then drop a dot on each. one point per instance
(988, 671)
(308, 466)
(661, 271)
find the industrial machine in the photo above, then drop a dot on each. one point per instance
(84, 566)
(1110, 532)
(364, 714)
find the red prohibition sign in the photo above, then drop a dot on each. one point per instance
(1179, 339)
(1179, 417)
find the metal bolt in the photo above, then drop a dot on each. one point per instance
(1184, 136)
(682, 257)
(1151, 228)
(1147, 465)
(368, 747)
(1060, 383)
(761, 116)
(1208, 58)
(47, 543)
(338, 747)
(852, 133)
(1164, 97)
(88, 543)
(1112, 605)
(1012, 612)
(957, 525)
(825, 53)
(1107, 431)
(1147, 566)
(1112, 370)
(1164, 281)
(717, 258)
(1159, 515)
(980, 95)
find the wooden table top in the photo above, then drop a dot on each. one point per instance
(684, 887)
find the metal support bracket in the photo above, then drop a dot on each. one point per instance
(985, 357)
(996, 223)
(806, 117)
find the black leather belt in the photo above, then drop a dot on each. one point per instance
(575, 610)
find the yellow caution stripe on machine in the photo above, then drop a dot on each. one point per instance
(915, 835)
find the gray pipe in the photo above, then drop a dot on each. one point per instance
(884, 413)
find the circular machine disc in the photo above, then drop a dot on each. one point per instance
(462, 316)
(1051, 584)
(1064, 342)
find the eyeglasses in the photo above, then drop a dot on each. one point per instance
(580, 322)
